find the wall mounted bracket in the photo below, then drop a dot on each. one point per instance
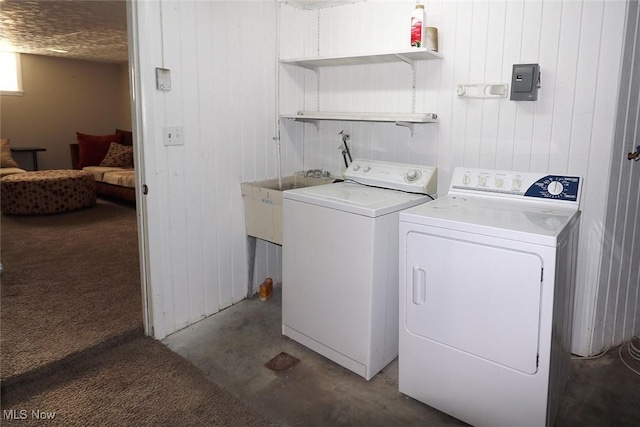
(406, 59)
(407, 125)
(482, 90)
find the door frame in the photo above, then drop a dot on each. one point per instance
(135, 94)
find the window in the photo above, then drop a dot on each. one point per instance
(10, 73)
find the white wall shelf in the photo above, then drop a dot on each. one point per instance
(364, 117)
(400, 119)
(318, 4)
(408, 55)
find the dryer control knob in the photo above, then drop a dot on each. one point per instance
(555, 188)
(466, 179)
(356, 167)
(366, 169)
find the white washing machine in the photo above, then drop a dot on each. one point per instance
(487, 278)
(340, 262)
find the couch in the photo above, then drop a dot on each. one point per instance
(110, 159)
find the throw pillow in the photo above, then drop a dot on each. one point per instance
(6, 159)
(118, 156)
(93, 148)
(127, 136)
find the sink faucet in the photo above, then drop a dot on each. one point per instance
(316, 173)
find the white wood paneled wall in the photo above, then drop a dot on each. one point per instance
(222, 55)
(223, 68)
(618, 300)
(578, 45)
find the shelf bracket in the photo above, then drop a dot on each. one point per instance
(312, 121)
(409, 61)
(303, 64)
(407, 125)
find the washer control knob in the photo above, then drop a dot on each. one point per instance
(466, 179)
(517, 183)
(499, 182)
(413, 175)
(366, 169)
(356, 167)
(555, 188)
(482, 180)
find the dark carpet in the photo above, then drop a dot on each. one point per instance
(70, 282)
(71, 342)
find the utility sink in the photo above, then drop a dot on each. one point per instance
(263, 204)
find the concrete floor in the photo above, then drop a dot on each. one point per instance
(233, 346)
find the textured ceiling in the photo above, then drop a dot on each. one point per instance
(93, 30)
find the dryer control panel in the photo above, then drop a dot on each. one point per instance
(517, 184)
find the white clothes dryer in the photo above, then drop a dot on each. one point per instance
(487, 277)
(340, 262)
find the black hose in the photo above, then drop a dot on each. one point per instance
(346, 147)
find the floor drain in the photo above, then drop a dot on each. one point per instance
(281, 362)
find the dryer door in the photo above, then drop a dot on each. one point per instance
(477, 298)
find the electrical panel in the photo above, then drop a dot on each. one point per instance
(525, 81)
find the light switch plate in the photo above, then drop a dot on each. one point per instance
(172, 135)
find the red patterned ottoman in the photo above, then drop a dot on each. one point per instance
(48, 191)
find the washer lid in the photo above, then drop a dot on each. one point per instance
(523, 221)
(356, 198)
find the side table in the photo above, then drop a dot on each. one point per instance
(32, 150)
